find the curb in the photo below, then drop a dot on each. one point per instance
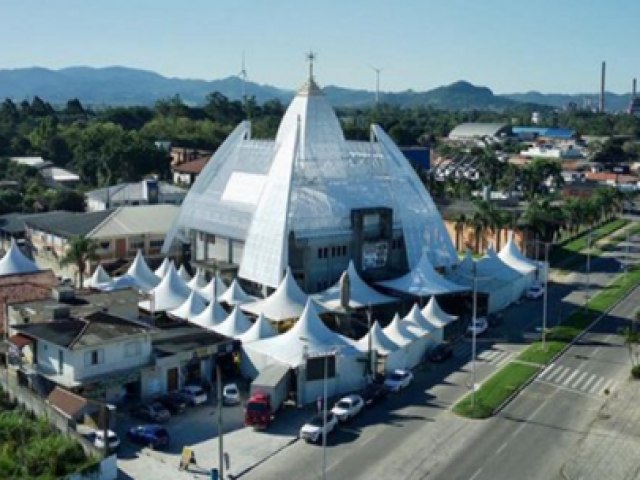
(562, 352)
(261, 461)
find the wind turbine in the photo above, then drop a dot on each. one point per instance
(377, 70)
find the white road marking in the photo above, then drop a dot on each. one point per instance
(570, 377)
(567, 389)
(579, 379)
(504, 359)
(558, 370)
(585, 387)
(475, 475)
(489, 355)
(561, 376)
(596, 386)
(547, 370)
(502, 447)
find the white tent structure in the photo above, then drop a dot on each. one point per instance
(287, 302)
(162, 270)
(384, 347)
(309, 337)
(426, 331)
(213, 289)
(235, 295)
(399, 333)
(184, 275)
(198, 282)
(141, 274)
(100, 280)
(211, 316)
(235, 324)
(361, 295)
(194, 305)
(423, 281)
(170, 293)
(260, 329)
(434, 314)
(492, 264)
(513, 257)
(14, 262)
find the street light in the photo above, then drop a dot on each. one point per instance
(473, 333)
(588, 272)
(544, 292)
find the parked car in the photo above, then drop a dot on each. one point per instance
(174, 402)
(398, 379)
(534, 292)
(480, 325)
(152, 412)
(230, 394)
(97, 437)
(373, 393)
(348, 407)
(154, 436)
(194, 394)
(312, 430)
(440, 353)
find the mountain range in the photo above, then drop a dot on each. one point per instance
(130, 86)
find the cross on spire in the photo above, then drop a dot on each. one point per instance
(311, 57)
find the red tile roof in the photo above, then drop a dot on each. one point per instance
(194, 166)
(24, 288)
(67, 402)
(20, 340)
(610, 177)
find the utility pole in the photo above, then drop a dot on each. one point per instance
(473, 333)
(324, 419)
(588, 279)
(220, 426)
(369, 351)
(105, 430)
(546, 289)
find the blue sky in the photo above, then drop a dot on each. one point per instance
(509, 46)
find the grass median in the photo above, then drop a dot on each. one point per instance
(509, 379)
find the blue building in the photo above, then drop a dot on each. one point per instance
(418, 156)
(531, 133)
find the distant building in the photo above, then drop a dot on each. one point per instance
(552, 152)
(186, 173)
(52, 175)
(182, 154)
(477, 131)
(419, 157)
(534, 133)
(146, 192)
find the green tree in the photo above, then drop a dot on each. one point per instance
(80, 251)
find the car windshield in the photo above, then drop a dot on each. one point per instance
(231, 390)
(343, 404)
(397, 376)
(257, 407)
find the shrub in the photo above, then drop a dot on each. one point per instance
(635, 371)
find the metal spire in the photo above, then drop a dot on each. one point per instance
(311, 57)
(377, 70)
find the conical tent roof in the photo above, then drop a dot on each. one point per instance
(379, 341)
(192, 306)
(162, 270)
(213, 315)
(260, 329)
(491, 265)
(513, 257)
(214, 288)
(287, 302)
(361, 295)
(144, 278)
(398, 332)
(15, 262)
(184, 275)
(170, 293)
(308, 336)
(415, 317)
(100, 279)
(435, 315)
(198, 281)
(122, 282)
(235, 324)
(423, 280)
(235, 295)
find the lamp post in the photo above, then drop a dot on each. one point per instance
(473, 338)
(545, 295)
(369, 347)
(588, 272)
(220, 425)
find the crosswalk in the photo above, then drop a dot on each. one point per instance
(494, 356)
(577, 379)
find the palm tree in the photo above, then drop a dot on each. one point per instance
(460, 222)
(80, 251)
(479, 224)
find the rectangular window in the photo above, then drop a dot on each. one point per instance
(156, 243)
(344, 250)
(132, 349)
(319, 253)
(333, 251)
(325, 252)
(93, 357)
(136, 243)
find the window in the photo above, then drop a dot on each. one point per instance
(325, 252)
(136, 243)
(344, 250)
(132, 349)
(94, 357)
(105, 245)
(156, 243)
(319, 253)
(333, 251)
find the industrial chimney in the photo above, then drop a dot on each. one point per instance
(602, 79)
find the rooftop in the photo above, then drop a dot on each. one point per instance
(67, 224)
(136, 220)
(193, 166)
(133, 191)
(187, 338)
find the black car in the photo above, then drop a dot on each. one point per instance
(442, 352)
(152, 412)
(174, 402)
(373, 393)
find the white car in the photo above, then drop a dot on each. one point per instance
(480, 325)
(348, 407)
(194, 394)
(535, 291)
(98, 439)
(230, 394)
(398, 379)
(312, 430)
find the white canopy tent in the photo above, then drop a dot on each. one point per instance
(213, 289)
(361, 295)
(211, 316)
(198, 281)
(426, 331)
(235, 324)
(141, 274)
(286, 303)
(170, 293)
(235, 295)
(513, 257)
(184, 275)
(162, 270)
(400, 333)
(423, 281)
(492, 264)
(434, 314)
(394, 357)
(194, 305)
(100, 280)
(15, 262)
(309, 337)
(260, 329)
